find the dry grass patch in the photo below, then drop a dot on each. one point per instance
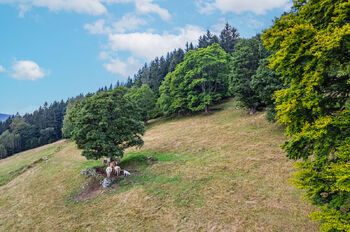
(220, 172)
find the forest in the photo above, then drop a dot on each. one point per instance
(297, 70)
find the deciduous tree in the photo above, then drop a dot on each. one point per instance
(106, 123)
(196, 83)
(311, 48)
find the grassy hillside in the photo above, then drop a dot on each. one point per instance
(221, 172)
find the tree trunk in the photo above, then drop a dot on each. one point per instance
(252, 110)
(206, 109)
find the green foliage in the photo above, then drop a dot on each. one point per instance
(8, 140)
(3, 151)
(106, 123)
(264, 83)
(67, 126)
(41, 127)
(228, 38)
(154, 73)
(311, 47)
(196, 83)
(245, 62)
(145, 99)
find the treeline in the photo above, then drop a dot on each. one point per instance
(191, 80)
(154, 73)
(218, 67)
(43, 126)
(182, 82)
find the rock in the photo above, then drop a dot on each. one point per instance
(106, 182)
(90, 172)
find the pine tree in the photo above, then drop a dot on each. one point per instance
(245, 62)
(228, 38)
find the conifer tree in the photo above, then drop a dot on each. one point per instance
(228, 38)
(245, 62)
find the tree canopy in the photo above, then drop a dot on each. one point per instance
(19, 133)
(145, 99)
(106, 123)
(197, 82)
(245, 61)
(264, 84)
(311, 52)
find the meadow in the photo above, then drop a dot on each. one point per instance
(224, 171)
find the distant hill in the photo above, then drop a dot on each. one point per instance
(3, 117)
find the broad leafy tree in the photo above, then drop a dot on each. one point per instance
(67, 126)
(106, 123)
(196, 83)
(145, 99)
(311, 48)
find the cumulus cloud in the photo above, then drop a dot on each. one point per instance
(146, 6)
(27, 70)
(2, 69)
(97, 27)
(142, 46)
(148, 45)
(127, 68)
(238, 6)
(128, 22)
(92, 7)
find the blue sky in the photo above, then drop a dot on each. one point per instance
(56, 49)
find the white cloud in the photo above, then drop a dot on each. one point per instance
(27, 70)
(128, 22)
(104, 55)
(23, 8)
(116, 66)
(146, 6)
(2, 69)
(92, 7)
(97, 27)
(239, 6)
(148, 45)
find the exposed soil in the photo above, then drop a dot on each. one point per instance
(90, 191)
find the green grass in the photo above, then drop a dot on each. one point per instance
(219, 172)
(16, 165)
